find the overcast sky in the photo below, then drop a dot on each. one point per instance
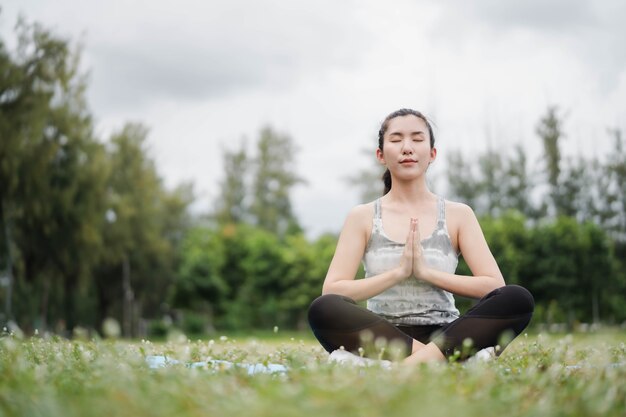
(204, 74)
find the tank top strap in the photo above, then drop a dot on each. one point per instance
(441, 216)
(377, 209)
(377, 216)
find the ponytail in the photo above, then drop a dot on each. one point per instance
(387, 181)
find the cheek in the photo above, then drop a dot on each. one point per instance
(390, 148)
(425, 149)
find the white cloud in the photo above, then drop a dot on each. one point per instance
(204, 74)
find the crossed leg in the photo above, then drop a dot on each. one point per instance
(497, 318)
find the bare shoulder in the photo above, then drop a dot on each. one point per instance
(458, 216)
(458, 211)
(361, 215)
(358, 226)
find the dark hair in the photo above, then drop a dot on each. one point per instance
(383, 128)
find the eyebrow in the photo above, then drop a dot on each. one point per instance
(397, 133)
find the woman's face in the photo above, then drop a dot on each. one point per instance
(406, 147)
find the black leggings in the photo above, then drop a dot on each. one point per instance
(496, 319)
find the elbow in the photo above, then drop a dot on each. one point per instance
(497, 282)
(328, 288)
(488, 286)
(331, 285)
(335, 288)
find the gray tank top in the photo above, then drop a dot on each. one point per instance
(412, 302)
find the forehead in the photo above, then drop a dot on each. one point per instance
(406, 124)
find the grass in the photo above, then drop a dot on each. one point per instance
(55, 377)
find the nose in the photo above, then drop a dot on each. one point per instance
(407, 148)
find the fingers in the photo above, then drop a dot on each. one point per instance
(417, 231)
(417, 252)
(410, 236)
(417, 242)
(413, 232)
(406, 264)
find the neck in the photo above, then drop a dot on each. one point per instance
(411, 192)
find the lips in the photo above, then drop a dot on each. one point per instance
(408, 161)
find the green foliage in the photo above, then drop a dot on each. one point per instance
(571, 260)
(158, 329)
(611, 185)
(245, 277)
(200, 270)
(518, 184)
(569, 267)
(500, 183)
(194, 323)
(51, 173)
(145, 225)
(491, 167)
(231, 206)
(274, 177)
(509, 240)
(256, 189)
(462, 179)
(76, 216)
(550, 131)
(368, 181)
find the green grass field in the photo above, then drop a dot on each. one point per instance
(56, 377)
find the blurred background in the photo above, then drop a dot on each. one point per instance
(189, 165)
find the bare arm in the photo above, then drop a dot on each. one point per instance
(348, 254)
(472, 244)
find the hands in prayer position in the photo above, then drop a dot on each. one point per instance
(412, 261)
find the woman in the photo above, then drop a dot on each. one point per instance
(409, 241)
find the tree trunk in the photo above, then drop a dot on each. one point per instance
(595, 308)
(8, 311)
(70, 286)
(127, 303)
(103, 302)
(43, 311)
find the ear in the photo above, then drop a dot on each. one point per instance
(433, 155)
(380, 156)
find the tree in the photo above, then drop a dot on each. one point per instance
(145, 223)
(614, 197)
(274, 177)
(368, 181)
(518, 185)
(231, 203)
(200, 284)
(462, 180)
(575, 189)
(50, 171)
(572, 265)
(491, 182)
(550, 131)
(243, 277)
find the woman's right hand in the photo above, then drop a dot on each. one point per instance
(405, 269)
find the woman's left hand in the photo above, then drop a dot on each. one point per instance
(419, 266)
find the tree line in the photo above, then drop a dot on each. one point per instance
(558, 227)
(89, 231)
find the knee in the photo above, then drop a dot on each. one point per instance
(519, 298)
(325, 308)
